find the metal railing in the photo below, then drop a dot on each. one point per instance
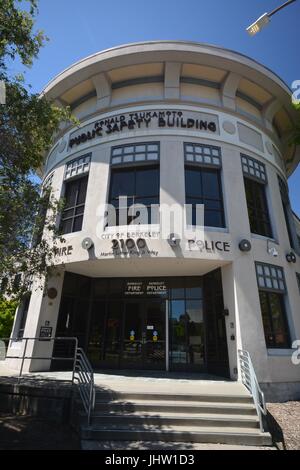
(81, 369)
(250, 381)
(9, 342)
(84, 378)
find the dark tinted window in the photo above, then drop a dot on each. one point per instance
(203, 186)
(274, 319)
(257, 208)
(72, 216)
(141, 186)
(23, 314)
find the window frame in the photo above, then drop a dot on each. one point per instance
(23, 314)
(298, 280)
(280, 291)
(133, 167)
(288, 215)
(75, 206)
(134, 153)
(281, 298)
(208, 169)
(264, 218)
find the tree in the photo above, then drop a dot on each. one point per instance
(7, 312)
(27, 125)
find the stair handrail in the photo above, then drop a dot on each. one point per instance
(250, 381)
(84, 380)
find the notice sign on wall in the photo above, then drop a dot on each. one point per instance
(45, 332)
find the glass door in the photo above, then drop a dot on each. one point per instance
(154, 347)
(144, 334)
(132, 354)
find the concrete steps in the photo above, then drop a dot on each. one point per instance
(156, 416)
(178, 407)
(215, 435)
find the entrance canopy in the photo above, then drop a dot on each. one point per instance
(145, 267)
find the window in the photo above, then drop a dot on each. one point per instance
(135, 153)
(129, 188)
(254, 168)
(203, 154)
(272, 291)
(203, 183)
(77, 167)
(23, 310)
(75, 194)
(298, 280)
(41, 217)
(255, 179)
(203, 186)
(288, 214)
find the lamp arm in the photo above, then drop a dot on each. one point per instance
(280, 7)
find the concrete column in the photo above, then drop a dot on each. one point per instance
(171, 165)
(268, 112)
(240, 289)
(103, 89)
(231, 321)
(172, 80)
(42, 311)
(228, 90)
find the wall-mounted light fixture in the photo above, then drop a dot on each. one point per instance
(87, 243)
(173, 239)
(291, 257)
(245, 245)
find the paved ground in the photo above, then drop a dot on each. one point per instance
(184, 446)
(285, 424)
(26, 432)
(146, 381)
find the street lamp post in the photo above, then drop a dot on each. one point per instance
(264, 19)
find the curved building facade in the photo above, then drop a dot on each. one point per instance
(196, 131)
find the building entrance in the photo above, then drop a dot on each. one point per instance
(144, 334)
(148, 323)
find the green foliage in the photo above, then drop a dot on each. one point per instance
(27, 125)
(7, 312)
(296, 130)
(16, 31)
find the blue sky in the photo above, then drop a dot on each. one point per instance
(77, 28)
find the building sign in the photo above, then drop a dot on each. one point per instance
(209, 246)
(120, 245)
(63, 250)
(156, 288)
(146, 120)
(134, 288)
(146, 288)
